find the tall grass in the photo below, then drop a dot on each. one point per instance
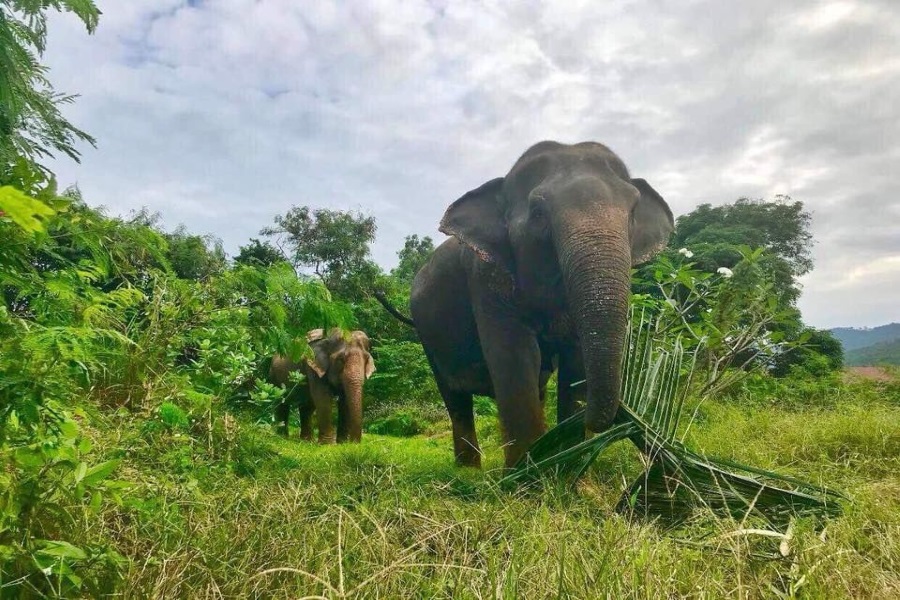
(394, 518)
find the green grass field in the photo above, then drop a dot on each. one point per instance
(240, 512)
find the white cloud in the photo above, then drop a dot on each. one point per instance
(221, 114)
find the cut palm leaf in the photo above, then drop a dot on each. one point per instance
(656, 377)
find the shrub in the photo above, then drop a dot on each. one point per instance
(402, 376)
(402, 423)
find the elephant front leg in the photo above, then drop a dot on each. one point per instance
(322, 400)
(282, 414)
(342, 427)
(306, 412)
(462, 417)
(514, 361)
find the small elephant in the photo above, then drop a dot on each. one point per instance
(535, 277)
(339, 368)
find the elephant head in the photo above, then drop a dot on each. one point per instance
(569, 218)
(345, 362)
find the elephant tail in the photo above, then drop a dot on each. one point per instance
(379, 295)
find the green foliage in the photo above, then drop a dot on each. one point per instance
(194, 256)
(93, 316)
(713, 236)
(258, 254)
(781, 227)
(820, 355)
(22, 210)
(333, 243)
(32, 127)
(731, 315)
(400, 423)
(414, 254)
(403, 375)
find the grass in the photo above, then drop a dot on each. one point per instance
(254, 515)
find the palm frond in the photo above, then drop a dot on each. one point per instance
(657, 373)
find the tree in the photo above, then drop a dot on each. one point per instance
(194, 256)
(32, 127)
(259, 254)
(777, 234)
(413, 255)
(333, 243)
(713, 235)
(821, 354)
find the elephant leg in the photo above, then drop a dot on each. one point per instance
(282, 415)
(514, 362)
(465, 439)
(462, 417)
(322, 400)
(342, 427)
(571, 370)
(306, 411)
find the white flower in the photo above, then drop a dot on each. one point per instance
(725, 272)
(686, 253)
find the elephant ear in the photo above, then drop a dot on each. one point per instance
(321, 359)
(652, 224)
(370, 365)
(478, 221)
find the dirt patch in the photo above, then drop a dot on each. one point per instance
(872, 373)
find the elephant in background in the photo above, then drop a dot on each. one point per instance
(339, 367)
(536, 277)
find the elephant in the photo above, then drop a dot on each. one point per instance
(535, 278)
(339, 367)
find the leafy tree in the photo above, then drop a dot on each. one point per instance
(713, 235)
(194, 256)
(777, 234)
(413, 255)
(32, 128)
(259, 254)
(821, 354)
(334, 244)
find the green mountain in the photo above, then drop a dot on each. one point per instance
(883, 353)
(853, 339)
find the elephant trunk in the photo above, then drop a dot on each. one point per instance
(595, 258)
(352, 381)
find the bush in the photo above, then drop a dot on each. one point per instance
(403, 375)
(402, 423)
(821, 354)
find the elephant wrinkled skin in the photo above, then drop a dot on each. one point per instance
(536, 276)
(339, 367)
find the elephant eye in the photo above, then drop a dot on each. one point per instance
(538, 207)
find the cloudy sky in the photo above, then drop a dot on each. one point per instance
(222, 113)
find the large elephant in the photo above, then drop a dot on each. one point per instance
(536, 276)
(338, 368)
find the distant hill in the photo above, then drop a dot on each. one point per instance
(883, 353)
(854, 339)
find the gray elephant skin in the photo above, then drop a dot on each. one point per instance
(339, 367)
(535, 277)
